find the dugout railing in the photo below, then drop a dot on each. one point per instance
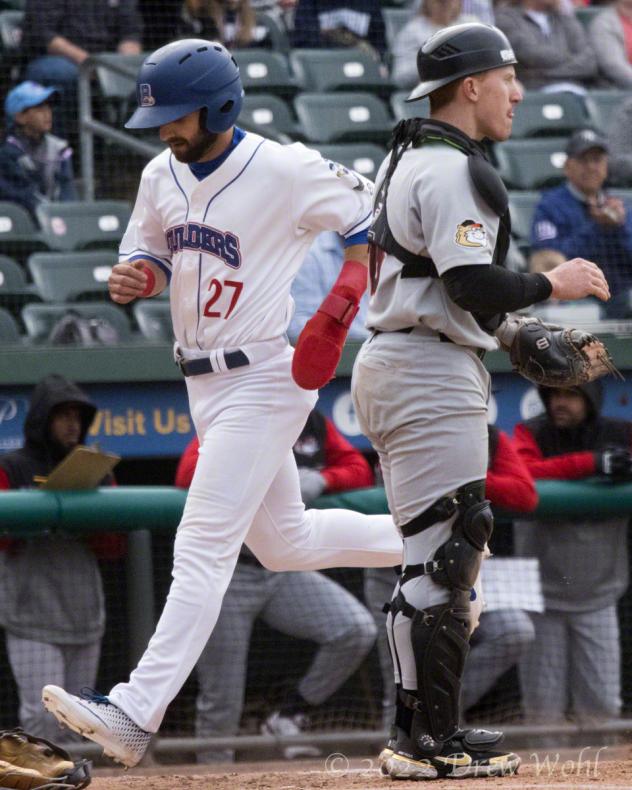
(142, 511)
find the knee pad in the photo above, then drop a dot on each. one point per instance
(459, 558)
(440, 644)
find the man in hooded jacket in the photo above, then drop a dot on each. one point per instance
(51, 594)
(574, 663)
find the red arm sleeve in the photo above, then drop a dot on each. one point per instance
(345, 467)
(509, 484)
(5, 485)
(187, 463)
(568, 466)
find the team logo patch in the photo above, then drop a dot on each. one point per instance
(471, 234)
(146, 99)
(357, 182)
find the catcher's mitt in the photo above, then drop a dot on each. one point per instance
(27, 762)
(552, 355)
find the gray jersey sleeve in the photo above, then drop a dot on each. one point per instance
(458, 228)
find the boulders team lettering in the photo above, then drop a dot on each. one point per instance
(194, 236)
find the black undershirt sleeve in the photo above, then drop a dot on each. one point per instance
(492, 289)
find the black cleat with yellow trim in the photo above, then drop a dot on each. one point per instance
(468, 754)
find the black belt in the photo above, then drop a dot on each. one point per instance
(480, 352)
(196, 367)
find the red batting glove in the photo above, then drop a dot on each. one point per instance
(319, 345)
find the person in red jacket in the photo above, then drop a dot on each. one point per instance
(574, 664)
(51, 594)
(503, 635)
(305, 604)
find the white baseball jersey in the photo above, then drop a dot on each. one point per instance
(232, 243)
(433, 210)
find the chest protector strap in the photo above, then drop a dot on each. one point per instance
(418, 132)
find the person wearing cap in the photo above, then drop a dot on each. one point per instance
(579, 217)
(574, 663)
(552, 47)
(440, 295)
(35, 165)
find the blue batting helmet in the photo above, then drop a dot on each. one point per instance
(185, 76)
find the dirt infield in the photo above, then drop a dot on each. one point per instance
(590, 769)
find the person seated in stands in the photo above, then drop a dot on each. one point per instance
(431, 16)
(552, 48)
(503, 635)
(314, 280)
(620, 146)
(574, 663)
(305, 604)
(611, 37)
(232, 22)
(59, 35)
(35, 165)
(340, 23)
(579, 219)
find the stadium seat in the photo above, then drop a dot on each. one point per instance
(154, 320)
(403, 109)
(267, 111)
(549, 113)
(18, 233)
(9, 329)
(365, 158)
(531, 164)
(15, 292)
(64, 276)
(117, 90)
(343, 117)
(78, 224)
(262, 70)
(277, 34)
(623, 194)
(394, 21)
(322, 70)
(522, 206)
(39, 319)
(603, 104)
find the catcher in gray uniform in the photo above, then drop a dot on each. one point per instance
(440, 295)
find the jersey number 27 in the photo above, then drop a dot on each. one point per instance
(216, 289)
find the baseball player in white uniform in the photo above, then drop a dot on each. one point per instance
(225, 218)
(440, 296)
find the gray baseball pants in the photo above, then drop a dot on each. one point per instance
(307, 605)
(423, 405)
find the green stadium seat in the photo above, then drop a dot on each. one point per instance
(154, 320)
(39, 319)
(15, 291)
(602, 106)
(267, 111)
(343, 117)
(117, 91)
(522, 206)
(549, 113)
(9, 329)
(394, 21)
(262, 70)
(78, 224)
(532, 163)
(364, 158)
(403, 109)
(19, 234)
(277, 34)
(322, 70)
(64, 276)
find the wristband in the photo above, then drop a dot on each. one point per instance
(151, 282)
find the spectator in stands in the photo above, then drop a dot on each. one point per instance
(574, 662)
(35, 165)
(483, 10)
(611, 37)
(314, 280)
(431, 16)
(620, 146)
(503, 635)
(579, 219)
(552, 48)
(305, 604)
(58, 35)
(340, 23)
(51, 595)
(232, 22)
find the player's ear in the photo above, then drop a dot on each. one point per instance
(471, 88)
